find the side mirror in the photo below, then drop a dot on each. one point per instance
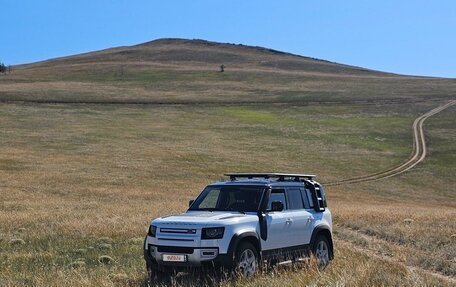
(190, 202)
(276, 206)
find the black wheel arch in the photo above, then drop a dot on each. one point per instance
(324, 231)
(251, 237)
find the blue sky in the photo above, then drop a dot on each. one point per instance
(410, 37)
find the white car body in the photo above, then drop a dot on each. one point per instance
(177, 241)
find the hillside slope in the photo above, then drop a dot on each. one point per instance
(201, 53)
(187, 71)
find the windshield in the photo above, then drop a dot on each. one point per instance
(229, 198)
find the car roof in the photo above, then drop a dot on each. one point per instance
(268, 175)
(258, 182)
(271, 179)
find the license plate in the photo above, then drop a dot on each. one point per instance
(174, 258)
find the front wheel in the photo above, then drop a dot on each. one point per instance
(321, 251)
(246, 260)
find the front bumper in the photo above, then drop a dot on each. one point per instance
(197, 257)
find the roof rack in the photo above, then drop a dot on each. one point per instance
(279, 176)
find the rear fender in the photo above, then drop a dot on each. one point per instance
(325, 230)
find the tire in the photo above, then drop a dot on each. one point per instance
(321, 250)
(246, 260)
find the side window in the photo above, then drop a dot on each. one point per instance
(309, 198)
(304, 197)
(277, 195)
(295, 199)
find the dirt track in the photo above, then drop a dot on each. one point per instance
(381, 249)
(418, 154)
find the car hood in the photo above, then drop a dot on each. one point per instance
(204, 217)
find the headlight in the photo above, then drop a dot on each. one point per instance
(212, 233)
(152, 230)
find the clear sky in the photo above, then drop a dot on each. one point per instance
(403, 36)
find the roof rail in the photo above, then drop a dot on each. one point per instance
(279, 176)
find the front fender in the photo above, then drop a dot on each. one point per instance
(238, 238)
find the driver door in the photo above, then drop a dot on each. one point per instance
(277, 223)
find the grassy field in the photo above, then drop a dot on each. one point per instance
(96, 145)
(78, 182)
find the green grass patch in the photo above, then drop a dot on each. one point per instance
(253, 116)
(300, 96)
(11, 165)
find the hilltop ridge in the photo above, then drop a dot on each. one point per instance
(176, 50)
(181, 71)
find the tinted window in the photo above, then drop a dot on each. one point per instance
(295, 199)
(277, 195)
(304, 197)
(309, 197)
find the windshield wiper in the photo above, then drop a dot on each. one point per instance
(203, 209)
(240, 211)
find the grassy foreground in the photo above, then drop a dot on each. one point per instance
(79, 184)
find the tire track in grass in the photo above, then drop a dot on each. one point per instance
(417, 156)
(380, 252)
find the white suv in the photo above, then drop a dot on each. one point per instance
(241, 223)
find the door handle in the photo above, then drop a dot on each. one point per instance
(310, 218)
(289, 221)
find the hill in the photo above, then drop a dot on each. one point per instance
(202, 53)
(187, 71)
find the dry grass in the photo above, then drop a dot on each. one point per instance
(78, 185)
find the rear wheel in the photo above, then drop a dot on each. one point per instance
(246, 260)
(321, 251)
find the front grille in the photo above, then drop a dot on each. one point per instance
(178, 230)
(175, 249)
